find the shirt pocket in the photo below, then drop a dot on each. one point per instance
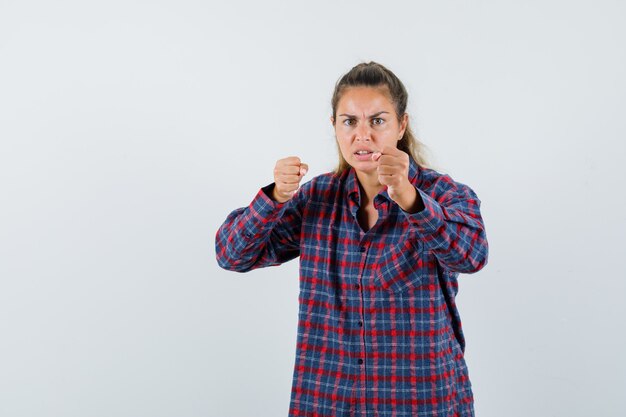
(403, 265)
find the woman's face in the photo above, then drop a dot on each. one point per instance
(366, 122)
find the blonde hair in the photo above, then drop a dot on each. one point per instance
(373, 74)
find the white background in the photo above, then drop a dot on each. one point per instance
(129, 130)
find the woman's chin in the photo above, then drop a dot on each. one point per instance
(367, 167)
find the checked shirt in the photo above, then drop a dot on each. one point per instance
(379, 333)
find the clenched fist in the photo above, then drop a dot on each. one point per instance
(288, 173)
(393, 171)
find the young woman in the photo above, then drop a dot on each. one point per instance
(381, 241)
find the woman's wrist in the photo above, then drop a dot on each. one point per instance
(411, 202)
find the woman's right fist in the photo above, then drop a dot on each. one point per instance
(288, 173)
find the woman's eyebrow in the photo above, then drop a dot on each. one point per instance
(373, 115)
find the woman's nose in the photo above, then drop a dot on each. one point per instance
(363, 133)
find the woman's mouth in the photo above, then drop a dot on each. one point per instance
(363, 155)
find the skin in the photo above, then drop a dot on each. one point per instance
(288, 173)
(366, 118)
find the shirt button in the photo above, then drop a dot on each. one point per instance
(357, 286)
(360, 361)
(361, 323)
(362, 249)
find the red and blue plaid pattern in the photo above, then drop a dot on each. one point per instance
(379, 333)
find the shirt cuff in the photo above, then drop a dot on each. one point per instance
(262, 213)
(429, 219)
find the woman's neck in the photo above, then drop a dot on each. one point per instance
(370, 186)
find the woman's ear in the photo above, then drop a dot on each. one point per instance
(404, 124)
(332, 121)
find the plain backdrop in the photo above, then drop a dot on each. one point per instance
(130, 129)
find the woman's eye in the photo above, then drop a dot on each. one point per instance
(348, 122)
(378, 121)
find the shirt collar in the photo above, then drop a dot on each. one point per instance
(352, 184)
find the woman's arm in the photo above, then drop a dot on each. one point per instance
(265, 233)
(451, 226)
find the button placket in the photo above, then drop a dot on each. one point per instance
(362, 354)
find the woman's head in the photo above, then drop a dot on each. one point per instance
(370, 86)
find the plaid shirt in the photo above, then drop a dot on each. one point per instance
(379, 333)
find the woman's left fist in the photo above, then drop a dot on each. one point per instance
(393, 171)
